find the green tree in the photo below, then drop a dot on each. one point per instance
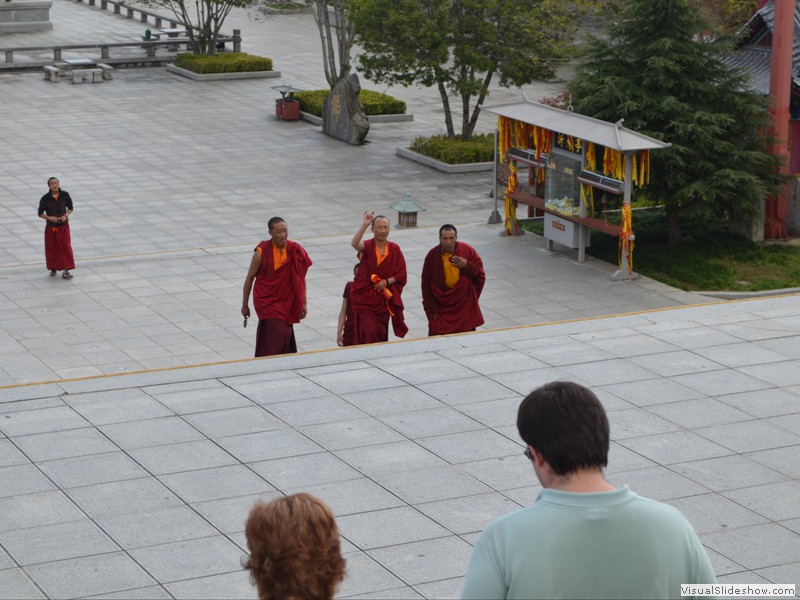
(203, 19)
(460, 45)
(662, 73)
(336, 34)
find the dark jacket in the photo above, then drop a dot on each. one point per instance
(55, 208)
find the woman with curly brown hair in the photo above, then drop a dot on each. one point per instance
(294, 549)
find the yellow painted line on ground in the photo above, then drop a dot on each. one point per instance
(323, 350)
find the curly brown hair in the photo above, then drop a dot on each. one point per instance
(294, 548)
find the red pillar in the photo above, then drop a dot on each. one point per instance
(777, 207)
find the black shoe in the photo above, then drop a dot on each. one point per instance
(53, 273)
(66, 275)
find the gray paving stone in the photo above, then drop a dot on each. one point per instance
(493, 413)
(33, 510)
(234, 421)
(185, 456)
(366, 577)
(524, 383)
(652, 391)
(757, 546)
(488, 363)
(92, 469)
(711, 512)
(14, 583)
(64, 444)
(470, 513)
(739, 355)
(308, 469)
(426, 561)
(446, 588)
(503, 473)
(10, 456)
(728, 473)
(765, 403)
(267, 445)
(229, 514)
(389, 527)
(392, 457)
(464, 391)
(716, 383)
(608, 372)
(121, 497)
(89, 576)
(197, 401)
(749, 436)
(234, 585)
(267, 389)
(190, 559)
(657, 483)
(344, 381)
(105, 408)
(426, 423)
(56, 542)
(351, 434)
(428, 485)
(622, 459)
(702, 412)
(471, 446)
(428, 371)
(41, 420)
(146, 593)
(392, 400)
(403, 593)
(677, 362)
(215, 483)
(23, 479)
(151, 432)
(675, 447)
(315, 411)
(784, 460)
(352, 496)
(776, 501)
(150, 528)
(637, 422)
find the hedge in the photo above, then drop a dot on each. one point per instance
(375, 103)
(455, 151)
(227, 62)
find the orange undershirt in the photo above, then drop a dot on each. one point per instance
(279, 256)
(381, 257)
(451, 272)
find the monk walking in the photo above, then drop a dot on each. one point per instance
(55, 207)
(279, 268)
(452, 282)
(377, 290)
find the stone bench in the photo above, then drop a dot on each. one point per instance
(78, 75)
(108, 71)
(52, 73)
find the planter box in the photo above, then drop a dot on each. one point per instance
(222, 76)
(442, 166)
(315, 120)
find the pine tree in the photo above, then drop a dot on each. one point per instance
(664, 74)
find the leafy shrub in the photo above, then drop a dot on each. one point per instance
(456, 151)
(228, 62)
(375, 103)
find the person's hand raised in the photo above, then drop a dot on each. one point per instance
(367, 219)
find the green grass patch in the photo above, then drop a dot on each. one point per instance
(710, 258)
(375, 103)
(456, 151)
(226, 62)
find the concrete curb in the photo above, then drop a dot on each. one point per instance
(222, 76)
(441, 166)
(723, 295)
(315, 120)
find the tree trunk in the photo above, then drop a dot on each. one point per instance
(469, 126)
(674, 234)
(448, 115)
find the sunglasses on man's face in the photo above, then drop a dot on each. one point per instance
(527, 453)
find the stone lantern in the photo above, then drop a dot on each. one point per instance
(407, 210)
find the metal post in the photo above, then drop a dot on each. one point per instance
(494, 218)
(237, 40)
(625, 271)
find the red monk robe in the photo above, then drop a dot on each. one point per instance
(370, 307)
(456, 309)
(279, 297)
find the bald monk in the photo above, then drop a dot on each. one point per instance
(452, 282)
(279, 268)
(376, 294)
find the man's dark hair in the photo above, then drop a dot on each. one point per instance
(448, 227)
(567, 425)
(376, 217)
(274, 221)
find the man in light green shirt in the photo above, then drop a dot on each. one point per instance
(582, 538)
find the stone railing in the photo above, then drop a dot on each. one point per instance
(104, 48)
(131, 11)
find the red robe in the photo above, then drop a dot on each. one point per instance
(371, 308)
(58, 248)
(279, 297)
(347, 330)
(457, 309)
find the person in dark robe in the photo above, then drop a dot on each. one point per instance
(378, 286)
(452, 282)
(55, 207)
(344, 331)
(278, 268)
